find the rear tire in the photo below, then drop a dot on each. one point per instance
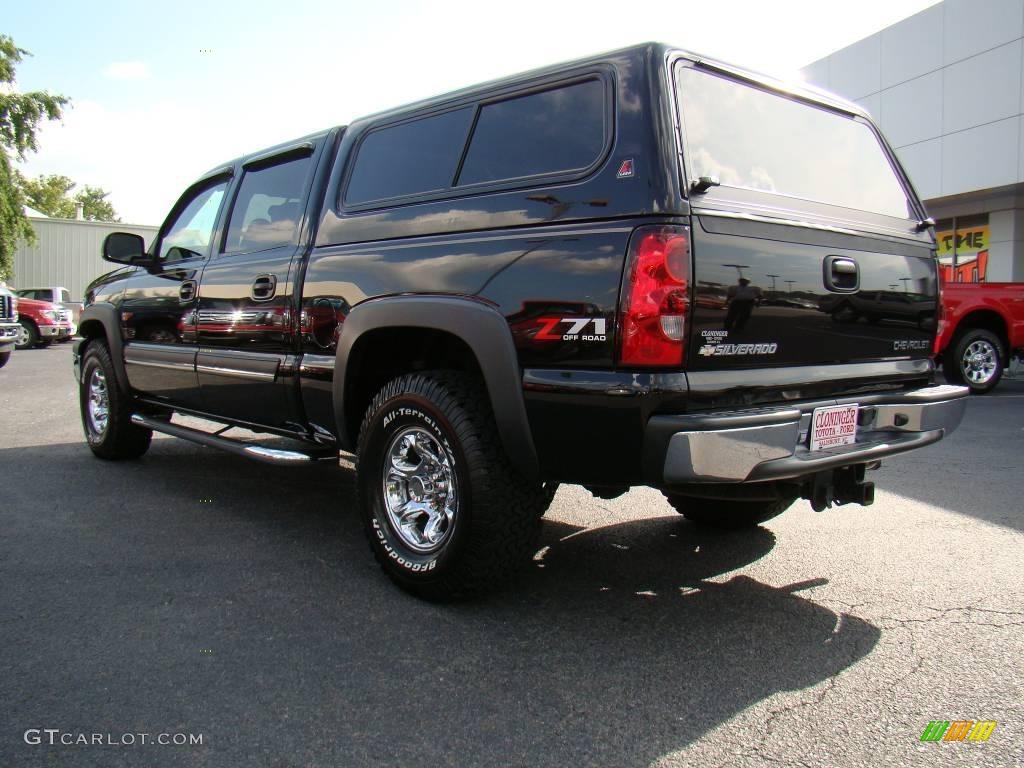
(107, 409)
(975, 359)
(730, 514)
(446, 514)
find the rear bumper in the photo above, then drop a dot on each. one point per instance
(772, 443)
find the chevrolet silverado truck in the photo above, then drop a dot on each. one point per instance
(42, 323)
(610, 272)
(982, 329)
(9, 328)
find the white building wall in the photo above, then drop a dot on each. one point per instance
(947, 88)
(67, 252)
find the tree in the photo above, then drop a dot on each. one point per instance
(20, 116)
(52, 195)
(95, 206)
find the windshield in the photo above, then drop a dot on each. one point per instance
(763, 141)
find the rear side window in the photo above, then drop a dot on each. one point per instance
(268, 208)
(410, 158)
(553, 131)
(757, 140)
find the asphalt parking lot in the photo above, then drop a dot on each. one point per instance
(193, 593)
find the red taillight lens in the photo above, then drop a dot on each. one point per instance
(655, 297)
(940, 315)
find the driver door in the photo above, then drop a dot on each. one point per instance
(158, 305)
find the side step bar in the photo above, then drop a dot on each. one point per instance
(249, 450)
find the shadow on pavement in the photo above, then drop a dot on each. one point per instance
(195, 592)
(976, 470)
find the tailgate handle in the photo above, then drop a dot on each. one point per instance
(841, 274)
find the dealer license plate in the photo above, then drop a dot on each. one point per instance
(833, 425)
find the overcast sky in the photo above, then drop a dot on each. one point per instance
(160, 97)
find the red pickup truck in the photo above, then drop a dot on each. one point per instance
(42, 323)
(980, 330)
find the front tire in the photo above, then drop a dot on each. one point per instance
(446, 514)
(975, 359)
(28, 337)
(729, 514)
(4, 357)
(106, 409)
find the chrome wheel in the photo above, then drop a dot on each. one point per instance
(23, 338)
(98, 407)
(420, 492)
(979, 362)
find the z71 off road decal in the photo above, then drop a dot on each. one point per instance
(578, 331)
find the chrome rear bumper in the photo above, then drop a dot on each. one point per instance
(772, 444)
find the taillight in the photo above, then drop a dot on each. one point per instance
(940, 316)
(655, 297)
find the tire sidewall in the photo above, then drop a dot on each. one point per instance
(31, 334)
(960, 349)
(396, 414)
(91, 363)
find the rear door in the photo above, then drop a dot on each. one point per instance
(806, 251)
(245, 320)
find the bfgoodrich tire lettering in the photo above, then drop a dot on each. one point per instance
(492, 516)
(106, 409)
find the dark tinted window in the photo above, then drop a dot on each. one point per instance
(758, 140)
(188, 236)
(268, 207)
(557, 130)
(409, 159)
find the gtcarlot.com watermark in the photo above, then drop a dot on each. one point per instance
(56, 737)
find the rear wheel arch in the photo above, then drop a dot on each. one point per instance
(383, 338)
(986, 319)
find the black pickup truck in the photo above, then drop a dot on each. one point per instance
(611, 272)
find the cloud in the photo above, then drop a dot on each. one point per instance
(127, 70)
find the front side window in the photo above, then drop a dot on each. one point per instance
(554, 131)
(189, 234)
(268, 209)
(754, 139)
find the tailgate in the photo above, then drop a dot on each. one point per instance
(779, 295)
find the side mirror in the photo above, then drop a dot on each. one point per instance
(124, 248)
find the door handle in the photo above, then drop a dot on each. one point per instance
(264, 287)
(841, 274)
(187, 291)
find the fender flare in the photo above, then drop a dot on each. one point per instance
(482, 328)
(106, 316)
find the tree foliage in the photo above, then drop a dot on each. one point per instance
(52, 195)
(20, 117)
